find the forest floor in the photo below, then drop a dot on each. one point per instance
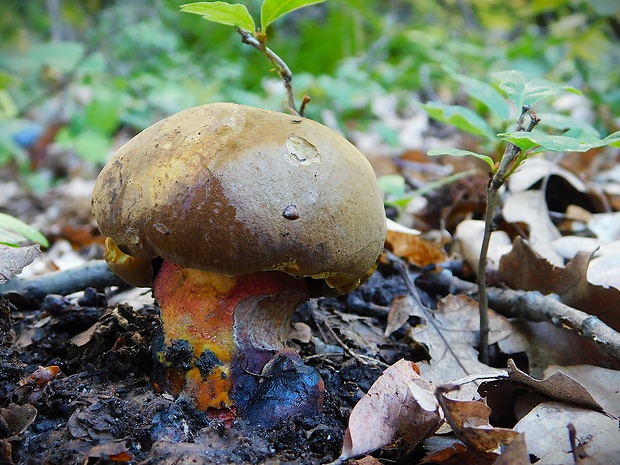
(76, 370)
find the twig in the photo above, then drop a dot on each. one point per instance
(574, 447)
(534, 306)
(94, 274)
(507, 163)
(286, 76)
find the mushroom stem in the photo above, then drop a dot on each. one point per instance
(220, 331)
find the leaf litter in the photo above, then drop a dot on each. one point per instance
(100, 405)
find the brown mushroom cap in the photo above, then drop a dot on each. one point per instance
(234, 190)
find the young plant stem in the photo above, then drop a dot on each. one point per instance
(506, 166)
(286, 76)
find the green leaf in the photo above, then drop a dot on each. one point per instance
(13, 228)
(525, 91)
(485, 93)
(551, 143)
(392, 184)
(462, 153)
(459, 117)
(273, 9)
(232, 14)
(563, 123)
(613, 139)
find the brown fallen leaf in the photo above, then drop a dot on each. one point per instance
(523, 269)
(559, 386)
(530, 207)
(368, 460)
(400, 404)
(18, 417)
(470, 422)
(111, 451)
(409, 245)
(399, 313)
(514, 453)
(451, 337)
(601, 383)
(41, 376)
(547, 436)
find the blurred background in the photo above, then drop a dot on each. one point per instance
(78, 78)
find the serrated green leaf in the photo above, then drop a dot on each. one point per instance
(523, 90)
(462, 153)
(12, 228)
(459, 117)
(273, 9)
(232, 14)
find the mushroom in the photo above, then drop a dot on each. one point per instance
(235, 216)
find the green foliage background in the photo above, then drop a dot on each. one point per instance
(104, 65)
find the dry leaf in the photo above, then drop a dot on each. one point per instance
(523, 269)
(399, 313)
(537, 169)
(470, 422)
(14, 259)
(451, 338)
(408, 244)
(601, 383)
(113, 451)
(469, 235)
(357, 329)
(558, 386)
(18, 417)
(546, 344)
(514, 453)
(400, 404)
(530, 207)
(546, 433)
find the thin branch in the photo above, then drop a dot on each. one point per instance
(286, 76)
(534, 306)
(94, 274)
(507, 163)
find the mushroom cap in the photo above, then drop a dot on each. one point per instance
(234, 190)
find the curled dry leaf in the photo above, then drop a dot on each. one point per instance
(41, 376)
(470, 422)
(400, 404)
(409, 245)
(558, 386)
(601, 383)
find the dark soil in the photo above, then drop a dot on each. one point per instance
(101, 406)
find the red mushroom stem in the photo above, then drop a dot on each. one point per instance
(220, 331)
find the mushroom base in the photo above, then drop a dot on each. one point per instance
(220, 331)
